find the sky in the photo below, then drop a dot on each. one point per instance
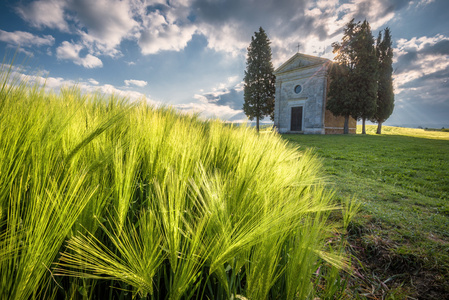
(191, 54)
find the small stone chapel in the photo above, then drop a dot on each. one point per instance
(300, 99)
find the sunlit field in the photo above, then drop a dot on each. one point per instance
(401, 234)
(103, 199)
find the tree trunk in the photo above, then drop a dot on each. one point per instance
(257, 124)
(346, 126)
(379, 128)
(363, 126)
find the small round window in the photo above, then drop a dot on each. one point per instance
(298, 89)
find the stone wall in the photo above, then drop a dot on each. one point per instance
(313, 82)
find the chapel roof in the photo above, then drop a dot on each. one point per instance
(300, 60)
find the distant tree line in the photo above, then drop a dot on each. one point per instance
(361, 84)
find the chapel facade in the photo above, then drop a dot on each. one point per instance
(300, 100)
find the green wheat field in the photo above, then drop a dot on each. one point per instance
(101, 198)
(105, 199)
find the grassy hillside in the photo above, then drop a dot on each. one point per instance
(103, 199)
(402, 234)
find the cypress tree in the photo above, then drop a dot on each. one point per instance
(366, 74)
(354, 75)
(342, 94)
(385, 93)
(259, 79)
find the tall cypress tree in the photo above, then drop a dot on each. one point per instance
(354, 75)
(365, 75)
(385, 93)
(259, 79)
(342, 94)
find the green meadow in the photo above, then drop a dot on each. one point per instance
(400, 237)
(101, 198)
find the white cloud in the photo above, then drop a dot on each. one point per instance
(233, 79)
(424, 2)
(224, 102)
(331, 16)
(428, 64)
(90, 62)
(44, 13)
(225, 37)
(68, 50)
(71, 51)
(240, 86)
(139, 83)
(208, 110)
(313, 24)
(425, 63)
(101, 24)
(225, 87)
(26, 52)
(90, 86)
(26, 39)
(93, 81)
(159, 34)
(104, 23)
(416, 44)
(377, 12)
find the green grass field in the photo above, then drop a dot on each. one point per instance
(401, 234)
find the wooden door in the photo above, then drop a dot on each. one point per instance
(296, 123)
